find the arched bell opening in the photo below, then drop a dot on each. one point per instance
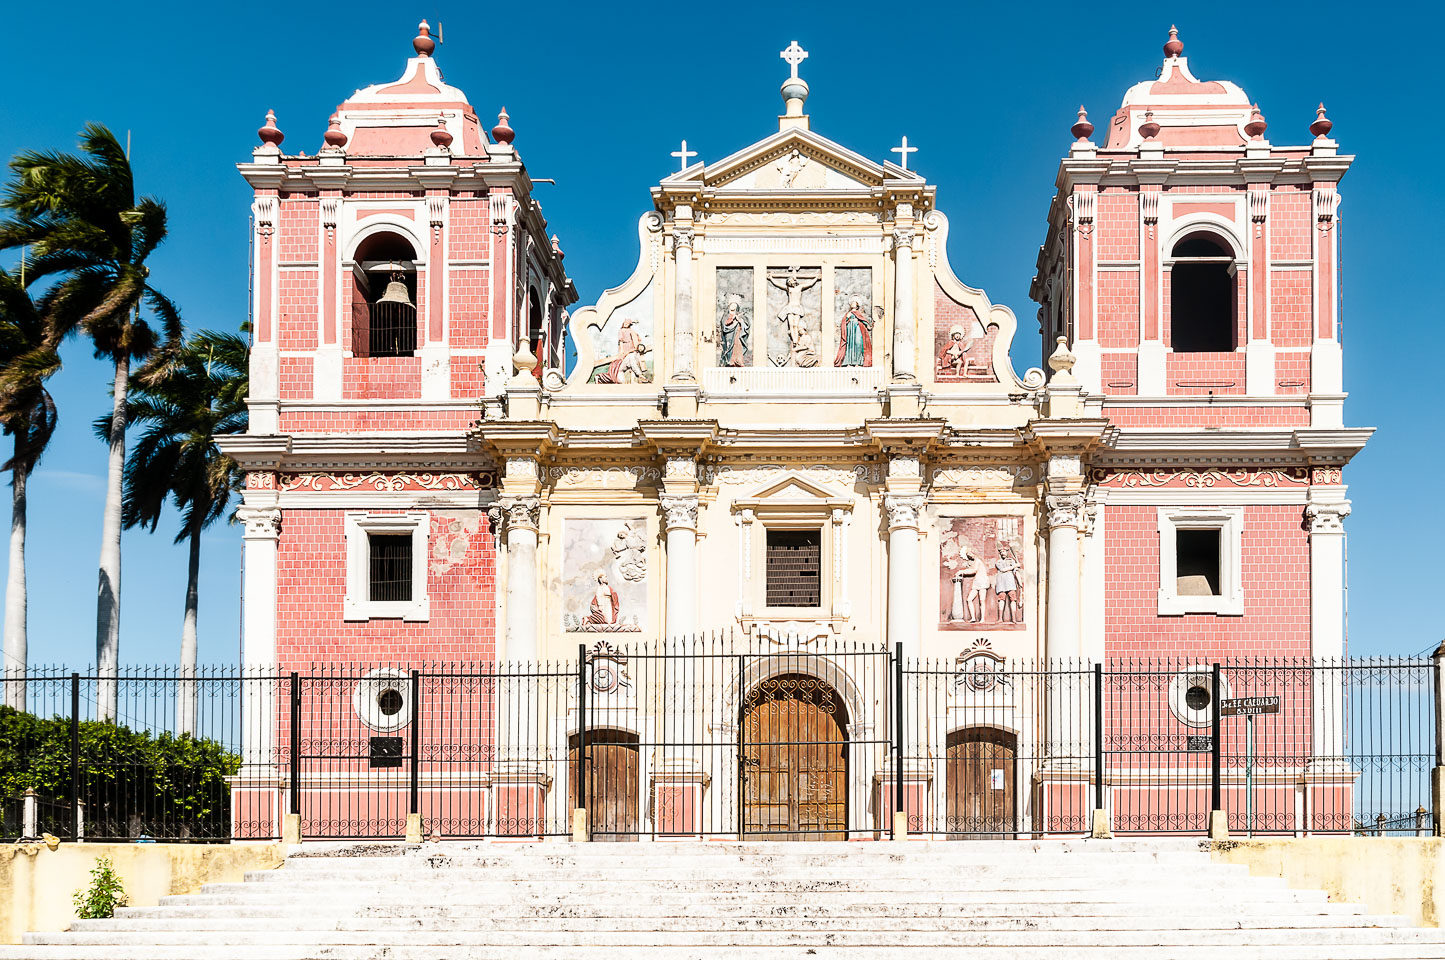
(384, 318)
(1202, 295)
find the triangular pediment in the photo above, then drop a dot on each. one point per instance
(790, 160)
(794, 489)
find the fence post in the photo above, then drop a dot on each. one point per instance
(291, 825)
(29, 821)
(1437, 775)
(1100, 827)
(413, 816)
(1218, 821)
(900, 814)
(580, 824)
(75, 785)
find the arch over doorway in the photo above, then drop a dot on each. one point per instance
(794, 759)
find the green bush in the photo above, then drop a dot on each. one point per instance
(105, 893)
(131, 782)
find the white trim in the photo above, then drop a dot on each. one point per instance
(358, 604)
(1229, 521)
(1186, 498)
(472, 499)
(364, 699)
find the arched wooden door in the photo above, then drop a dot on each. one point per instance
(794, 759)
(980, 771)
(611, 777)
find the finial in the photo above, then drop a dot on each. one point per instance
(1062, 361)
(334, 136)
(1323, 124)
(682, 156)
(795, 88)
(524, 361)
(1256, 125)
(441, 136)
(1173, 47)
(903, 151)
(503, 132)
(269, 132)
(557, 247)
(423, 44)
(1149, 129)
(1082, 128)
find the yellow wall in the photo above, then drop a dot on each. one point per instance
(36, 883)
(1396, 875)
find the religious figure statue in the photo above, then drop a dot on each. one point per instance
(629, 553)
(803, 351)
(734, 331)
(626, 366)
(1007, 589)
(953, 358)
(603, 609)
(973, 606)
(855, 337)
(790, 166)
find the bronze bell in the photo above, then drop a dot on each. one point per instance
(396, 292)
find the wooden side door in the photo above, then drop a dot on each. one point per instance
(611, 775)
(980, 771)
(794, 761)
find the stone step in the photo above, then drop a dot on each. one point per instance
(927, 849)
(600, 925)
(455, 937)
(1105, 910)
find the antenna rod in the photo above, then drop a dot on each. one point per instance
(439, 32)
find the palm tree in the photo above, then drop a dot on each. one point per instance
(28, 358)
(180, 404)
(80, 214)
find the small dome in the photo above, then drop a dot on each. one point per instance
(795, 89)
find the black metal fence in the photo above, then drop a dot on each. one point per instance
(722, 738)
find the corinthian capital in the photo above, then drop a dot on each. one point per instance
(903, 509)
(1066, 510)
(1327, 517)
(679, 511)
(522, 512)
(261, 523)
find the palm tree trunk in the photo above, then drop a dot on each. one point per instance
(15, 600)
(186, 694)
(107, 616)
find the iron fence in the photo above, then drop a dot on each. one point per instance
(721, 737)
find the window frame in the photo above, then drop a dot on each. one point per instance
(822, 529)
(1229, 521)
(358, 604)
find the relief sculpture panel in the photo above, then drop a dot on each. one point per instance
(981, 575)
(735, 313)
(623, 344)
(795, 327)
(857, 321)
(604, 575)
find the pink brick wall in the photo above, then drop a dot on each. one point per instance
(1275, 579)
(1116, 219)
(354, 421)
(1119, 309)
(1291, 218)
(311, 588)
(1291, 310)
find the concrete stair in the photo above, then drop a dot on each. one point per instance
(1050, 900)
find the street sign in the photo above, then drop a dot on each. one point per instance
(1248, 706)
(1201, 744)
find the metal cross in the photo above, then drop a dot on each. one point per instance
(682, 156)
(794, 55)
(904, 151)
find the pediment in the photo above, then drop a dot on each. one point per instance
(793, 490)
(791, 160)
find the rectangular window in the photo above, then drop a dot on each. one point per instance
(390, 566)
(794, 563)
(1196, 562)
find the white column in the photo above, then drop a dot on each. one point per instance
(905, 318)
(682, 320)
(1327, 622)
(680, 521)
(904, 612)
(258, 645)
(1068, 705)
(521, 578)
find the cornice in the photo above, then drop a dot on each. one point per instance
(519, 437)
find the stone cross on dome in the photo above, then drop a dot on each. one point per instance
(903, 150)
(794, 55)
(682, 156)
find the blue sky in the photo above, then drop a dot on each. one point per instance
(600, 94)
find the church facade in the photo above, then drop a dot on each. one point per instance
(794, 426)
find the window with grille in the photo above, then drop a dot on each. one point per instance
(794, 563)
(390, 566)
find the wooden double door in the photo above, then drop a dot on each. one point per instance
(981, 779)
(611, 773)
(793, 754)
